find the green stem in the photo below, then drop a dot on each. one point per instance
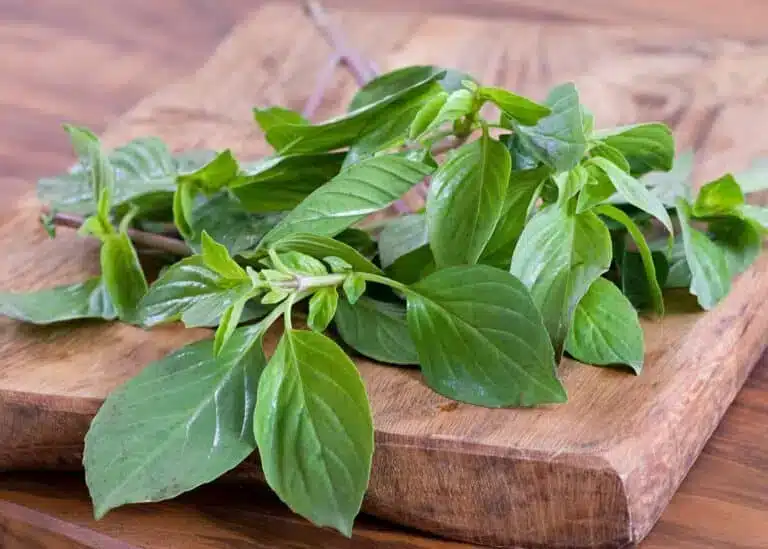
(385, 281)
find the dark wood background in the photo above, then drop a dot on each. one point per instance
(88, 62)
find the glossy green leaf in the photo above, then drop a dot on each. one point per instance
(426, 114)
(269, 117)
(740, 240)
(217, 258)
(322, 308)
(226, 220)
(355, 193)
(343, 130)
(282, 182)
(570, 183)
(647, 147)
(523, 187)
(674, 184)
(480, 338)
(183, 204)
(616, 214)
(634, 192)
(710, 274)
(718, 197)
(557, 258)
(611, 154)
(413, 266)
(376, 329)
(227, 325)
(634, 277)
(297, 262)
(598, 189)
(322, 247)
(679, 272)
(220, 172)
(397, 81)
(606, 330)
(515, 106)
(182, 422)
(465, 201)
(459, 104)
(354, 287)
(314, 429)
(59, 304)
(558, 139)
(758, 214)
(401, 236)
(192, 292)
(123, 277)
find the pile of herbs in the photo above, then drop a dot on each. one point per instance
(540, 236)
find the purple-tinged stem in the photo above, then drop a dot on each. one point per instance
(323, 81)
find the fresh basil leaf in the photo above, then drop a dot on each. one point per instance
(355, 193)
(598, 189)
(611, 154)
(426, 114)
(354, 287)
(395, 82)
(515, 106)
(270, 117)
(557, 258)
(634, 277)
(190, 160)
(183, 204)
(465, 201)
(322, 247)
(192, 292)
(722, 196)
(740, 240)
(522, 159)
(558, 139)
(359, 240)
(376, 329)
(220, 172)
(634, 191)
(413, 266)
(757, 214)
(322, 308)
(523, 187)
(612, 212)
(314, 429)
(674, 184)
(282, 182)
(460, 103)
(606, 330)
(570, 183)
(343, 130)
(229, 321)
(480, 338)
(225, 219)
(337, 264)
(217, 258)
(122, 275)
(182, 422)
(82, 140)
(297, 262)
(401, 236)
(679, 272)
(60, 304)
(710, 274)
(647, 147)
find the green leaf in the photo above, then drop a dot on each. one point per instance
(270, 117)
(674, 184)
(426, 114)
(122, 275)
(606, 330)
(465, 201)
(60, 304)
(354, 287)
(395, 82)
(322, 247)
(634, 192)
(376, 329)
(337, 264)
(657, 299)
(523, 187)
(558, 139)
(570, 183)
(217, 258)
(322, 307)
(611, 154)
(679, 272)
(458, 104)
(355, 193)
(647, 147)
(360, 240)
(710, 275)
(515, 106)
(227, 325)
(481, 340)
(282, 182)
(344, 130)
(634, 277)
(557, 258)
(225, 219)
(401, 236)
(599, 188)
(722, 196)
(182, 422)
(757, 214)
(183, 204)
(192, 292)
(213, 176)
(413, 266)
(297, 262)
(314, 429)
(740, 240)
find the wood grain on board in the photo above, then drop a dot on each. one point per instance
(615, 453)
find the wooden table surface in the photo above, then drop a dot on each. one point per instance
(87, 62)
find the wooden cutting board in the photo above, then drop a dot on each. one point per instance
(596, 472)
